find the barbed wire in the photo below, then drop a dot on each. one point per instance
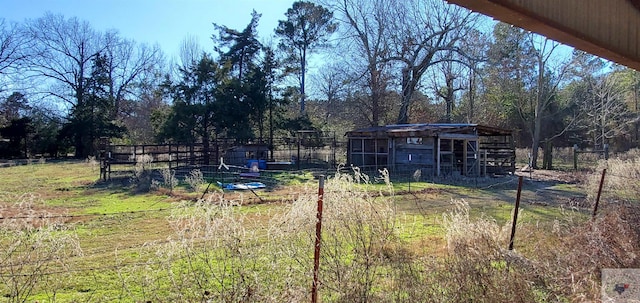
(498, 184)
(154, 244)
(150, 245)
(86, 269)
(608, 174)
(68, 216)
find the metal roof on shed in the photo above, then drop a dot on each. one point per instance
(426, 130)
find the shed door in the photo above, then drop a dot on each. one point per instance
(473, 159)
(457, 155)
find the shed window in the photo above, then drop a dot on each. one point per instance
(382, 146)
(369, 146)
(369, 153)
(356, 145)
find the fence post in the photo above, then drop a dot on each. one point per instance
(170, 157)
(575, 157)
(595, 207)
(316, 253)
(515, 214)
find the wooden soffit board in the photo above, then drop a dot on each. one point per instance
(606, 28)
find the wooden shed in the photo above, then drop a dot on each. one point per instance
(435, 149)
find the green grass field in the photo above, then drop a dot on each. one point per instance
(105, 241)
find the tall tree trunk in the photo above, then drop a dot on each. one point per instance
(547, 160)
(408, 87)
(537, 115)
(470, 113)
(78, 144)
(375, 96)
(303, 65)
(535, 144)
(206, 141)
(449, 97)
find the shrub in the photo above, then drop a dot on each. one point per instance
(91, 160)
(218, 254)
(169, 179)
(142, 173)
(194, 179)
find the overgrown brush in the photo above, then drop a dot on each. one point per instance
(222, 251)
(572, 263)
(478, 268)
(169, 179)
(36, 251)
(563, 265)
(142, 173)
(208, 258)
(358, 238)
(194, 179)
(219, 254)
(622, 180)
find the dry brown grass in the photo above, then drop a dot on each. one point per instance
(622, 179)
(571, 264)
(222, 249)
(561, 261)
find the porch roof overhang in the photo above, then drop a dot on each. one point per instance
(609, 29)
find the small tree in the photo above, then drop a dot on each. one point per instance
(306, 28)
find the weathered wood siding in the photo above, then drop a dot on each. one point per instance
(422, 155)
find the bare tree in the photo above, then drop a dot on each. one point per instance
(549, 77)
(127, 62)
(190, 51)
(62, 52)
(12, 45)
(605, 115)
(418, 31)
(332, 84)
(448, 83)
(364, 39)
(475, 46)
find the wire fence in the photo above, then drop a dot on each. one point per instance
(410, 185)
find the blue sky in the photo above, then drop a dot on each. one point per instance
(166, 22)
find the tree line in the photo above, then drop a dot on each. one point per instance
(329, 65)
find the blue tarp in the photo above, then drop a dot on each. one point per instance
(242, 186)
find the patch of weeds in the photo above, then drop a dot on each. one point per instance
(194, 179)
(142, 173)
(169, 179)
